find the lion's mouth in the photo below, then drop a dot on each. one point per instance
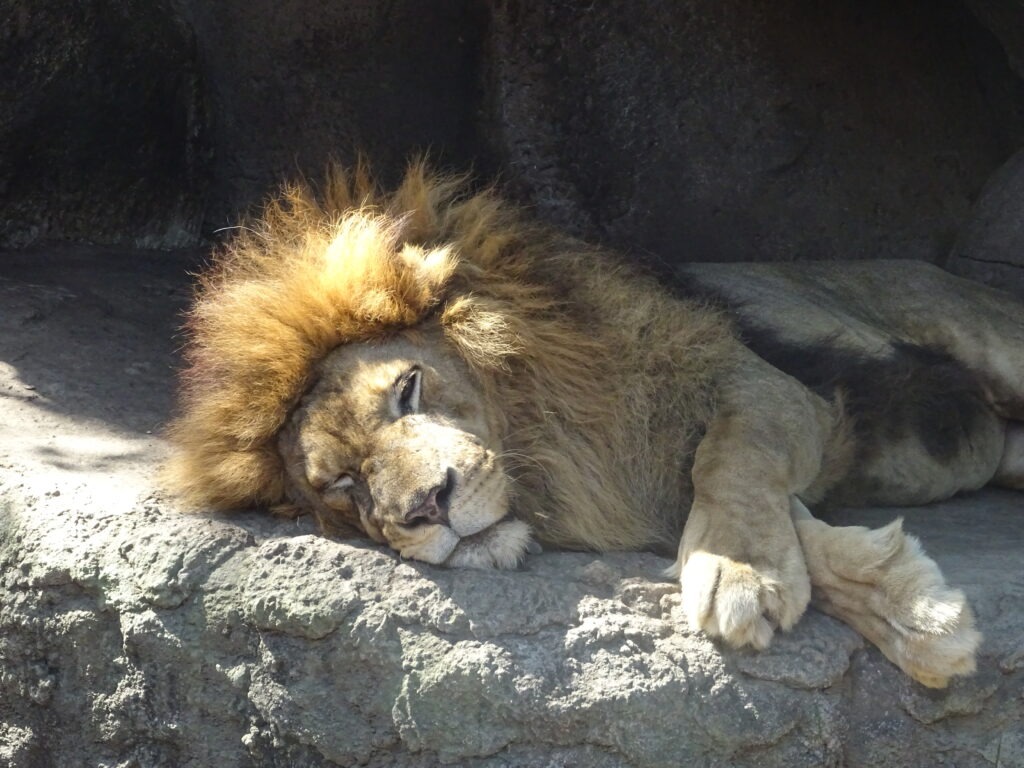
(482, 536)
(476, 501)
(503, 544)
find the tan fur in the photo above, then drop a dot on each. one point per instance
(311, 276)
(881, 583)
(567, 397)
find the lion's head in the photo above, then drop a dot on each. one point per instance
(396, 440)
(338, 364)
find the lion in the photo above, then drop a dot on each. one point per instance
(434, 370)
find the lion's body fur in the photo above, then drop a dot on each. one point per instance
(575, 352)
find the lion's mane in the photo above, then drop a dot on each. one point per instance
(597, 374)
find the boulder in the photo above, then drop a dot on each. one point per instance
(133, 634)
(990, 247)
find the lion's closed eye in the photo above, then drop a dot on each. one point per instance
(340, 489)
(407, 389)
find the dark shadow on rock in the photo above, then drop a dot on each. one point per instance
(93, 332)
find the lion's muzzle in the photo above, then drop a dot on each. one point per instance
(435, 486)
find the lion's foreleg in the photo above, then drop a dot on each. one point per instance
(883, 585)
(740, 563)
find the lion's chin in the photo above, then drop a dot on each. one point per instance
(502, 545)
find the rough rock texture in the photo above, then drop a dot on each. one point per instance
(691, 130)
(694, 130)
(133, 635)
(711, 130)
(292, 85)
(1006, 20)
(101, 124)
(990, 247)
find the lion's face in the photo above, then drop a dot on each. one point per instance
(395, 439)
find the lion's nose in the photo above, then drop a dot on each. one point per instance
(434, 508)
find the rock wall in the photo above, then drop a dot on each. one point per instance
(990, 247)
(699, 130)
(737, 130)
(293, 85)
(102, 124)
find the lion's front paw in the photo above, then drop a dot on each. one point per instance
(738, 602)
(883, 585)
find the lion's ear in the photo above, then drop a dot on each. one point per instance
(481, 333)
(429, 269)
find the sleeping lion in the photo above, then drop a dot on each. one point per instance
(436, 371)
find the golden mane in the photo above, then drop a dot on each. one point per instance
(549, 326)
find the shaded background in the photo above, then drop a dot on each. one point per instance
(691, 130)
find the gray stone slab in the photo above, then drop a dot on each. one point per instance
(990, 247)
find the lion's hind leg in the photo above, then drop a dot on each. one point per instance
(882, 584)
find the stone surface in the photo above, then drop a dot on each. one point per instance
(737, 130)
(292, 85)
(990, 247)
(102, 124)
(724, 129)
(131, 634)
(1006, 20)
(687, 131)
